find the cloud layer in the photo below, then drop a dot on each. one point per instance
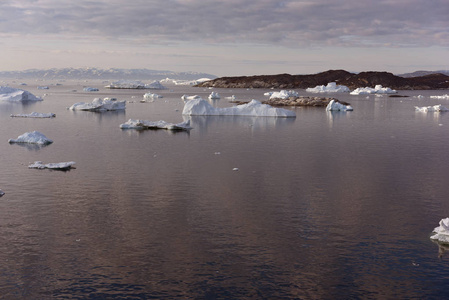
(360, 23)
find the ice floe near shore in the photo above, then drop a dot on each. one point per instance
(435, 108)
(200, 107)
(33, 137)
(441, 233)
(64, 166)
(34, 115)
(446, 96)
(99, 105)
(331, 87)
(143, 124)
(185, 97)
(378, 89)
(11, 94)
(135, 84)
(337, 106)
(283, 94)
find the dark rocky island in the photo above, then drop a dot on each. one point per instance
(341, 77)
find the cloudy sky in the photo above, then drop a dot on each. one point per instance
(227, 37)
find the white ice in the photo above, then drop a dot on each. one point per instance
(55, 166)
(98, 104)
(441, 233)
(143, 124)
(34, 137)
(11, 94)
(214, 95)
(35, 115)
(378, 89)
(90, 89)
(337, 106)
(283, 94)
(200, 107)
(435, 108)
(331, 87)
(151, 96)
(185, 97)
(155, 85)
(446, 96)
(185, 82)
(126, 84)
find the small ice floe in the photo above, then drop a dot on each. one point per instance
(232, 98)
(331, 87)
(185, 97)
(142, 124)
(43, 88)
(419, 96)
(441, 233)
(435, 108)
(378, 89)
(98, 104)
(337, 106)
(254, 108)
(90, 89)
(64, 166)
(11, 94)
(235, 169)
(214, 95)
(1, 193)
(150, 96)
(34, 137)
(446, 96)
(283, 94)
(34, 115)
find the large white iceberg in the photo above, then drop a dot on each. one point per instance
(378, 89)
(35, 115)
(331, 87)
(337, 106)
(441, 233)
(54, 166)
(200, 107)
(11, 94)
(99, 104)
(435, 108)
(283, 94)
(155, 85)
(143, 124)
(34, 137)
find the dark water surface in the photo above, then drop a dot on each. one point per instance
(324, 206)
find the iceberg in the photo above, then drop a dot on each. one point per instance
(200, 107)
(126, 84)
(155, 85)
(11, 94)
(214, 95)
(151, 96)
(90, 89)
(435, 108)
(446, 96)
(441, 233)
(283, 94)
(378, 89)
(34, 137)
(337, 106)
(34, 115)
(185, 82)
(142, 124)
(98, 105)
(64, 166)
(331, 87)
(185, 97)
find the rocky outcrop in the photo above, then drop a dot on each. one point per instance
(341, 77)
(298, 101)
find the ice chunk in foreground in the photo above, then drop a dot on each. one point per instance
(378, 89)
(11, 94)
(337, 106)
(435, 108)
(35, 115)
(142, 124)
(441, 233)
(283, 94)
(214, 95)
(151, 96)
(55, 166)
(331, 87)
(200, 107)
(100, 105)
(34, 137)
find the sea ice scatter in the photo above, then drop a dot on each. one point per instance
(11, 94)
(378, 89)
(200, 107)
(331, 87)
(54, 166)
(98, 104)
(34, 137)
(35, 115)
(337, 106)
(435, 108)
(441, 233)
(143, 124)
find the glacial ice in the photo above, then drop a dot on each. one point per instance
(33, 137)
(435, 108)
(98, 104)
(214, 95)
(35, 115)
(200, 107)
(150, 96)
(331, 87)
(337, 106)
(185, 97)
(441, 233)
(11, 94)
(143, 124)
(283, 94)
(378, 89)
(55, 166)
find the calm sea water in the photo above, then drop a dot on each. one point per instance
(325, 206)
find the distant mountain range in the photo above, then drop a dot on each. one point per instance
(105, 74)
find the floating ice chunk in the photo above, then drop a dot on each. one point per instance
(185, 97)
(331, 87)
(441, 233)
(55, 166)
(155, 85)
(200, 107)
(151, 96)
(283, 94)
(214, 95)
(337, 106)
(142, 124)
(34, 137)
(446, 96)
(378, 89)
(435, 108)
(43, 88)
(1, 193)
(232, 98)
(90, 89)
(35, 115)
(98, 104)
(11, 94)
